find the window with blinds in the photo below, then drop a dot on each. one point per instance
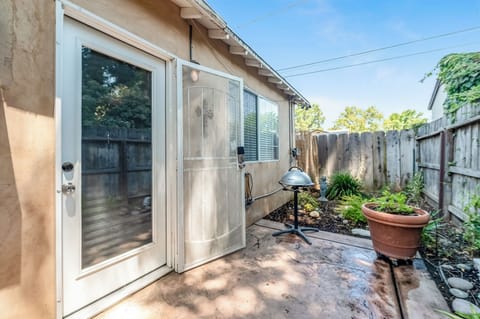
(260, 128)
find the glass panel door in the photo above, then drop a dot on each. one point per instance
(113, 167)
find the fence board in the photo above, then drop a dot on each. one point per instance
(378, 159)
(407, 164)
(393, 156)
(366, 160)
(332, 155)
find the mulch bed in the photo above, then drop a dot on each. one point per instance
(446, 246)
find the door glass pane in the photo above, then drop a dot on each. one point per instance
(116, 157)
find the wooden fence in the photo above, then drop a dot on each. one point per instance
(116, 191)
(449, 156)
(376, 158)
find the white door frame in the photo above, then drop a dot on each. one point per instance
(66, 8)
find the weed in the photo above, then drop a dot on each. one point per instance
(414, 189)
(350, 207)
(307, 201)
(472, 224)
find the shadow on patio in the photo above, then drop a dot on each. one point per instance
(336, 277)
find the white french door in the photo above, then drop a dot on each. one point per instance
(211, 193)
(113, 165)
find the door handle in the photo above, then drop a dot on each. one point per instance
(68, 189)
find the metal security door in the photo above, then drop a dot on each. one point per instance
(211, 198)
(113, 171)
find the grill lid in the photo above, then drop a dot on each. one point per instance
(295, 177)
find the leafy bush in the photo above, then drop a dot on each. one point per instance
(414, 189)
(472, 225)
(350, 207)
(343, 184)
(393, 203)
(307, 201)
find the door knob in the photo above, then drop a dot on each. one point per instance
(68, 188)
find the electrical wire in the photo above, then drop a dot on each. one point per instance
(381, 49)
(379, 60)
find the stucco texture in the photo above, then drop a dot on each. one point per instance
(27, 274)
(159, 22)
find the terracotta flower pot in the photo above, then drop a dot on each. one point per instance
(395, 236)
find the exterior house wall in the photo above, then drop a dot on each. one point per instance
(437, 103)
(162, 25)
(27, 133)
(27, 146)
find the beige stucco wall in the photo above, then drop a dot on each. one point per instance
(159, 22)
(27, 274)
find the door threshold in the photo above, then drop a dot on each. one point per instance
(109, 300)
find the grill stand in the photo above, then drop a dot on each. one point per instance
(295, 229)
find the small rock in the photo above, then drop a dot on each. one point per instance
(460, 283)
(314, 214)
(464, 267)
(361, 232)
(345, 221)
(476, 263)
(447, 267)
(463, 306)
(458, 293)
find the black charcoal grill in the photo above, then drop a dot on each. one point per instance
(294, 180)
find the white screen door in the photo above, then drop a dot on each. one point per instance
(113, 165)
(212, 199)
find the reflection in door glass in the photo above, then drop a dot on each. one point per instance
(116, 157)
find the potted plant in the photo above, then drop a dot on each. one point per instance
(395, 226)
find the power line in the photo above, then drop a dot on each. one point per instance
(380, 60)
(382, 48)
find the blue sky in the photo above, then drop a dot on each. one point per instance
(292, 32)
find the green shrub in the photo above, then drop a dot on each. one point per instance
(350, 207)
(393, 203)
(305, 198)
(343, 184)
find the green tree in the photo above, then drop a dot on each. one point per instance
(404, 121)
(115, 94)
(309, 119)
(355, 119)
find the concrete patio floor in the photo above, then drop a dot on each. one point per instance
(283, 277)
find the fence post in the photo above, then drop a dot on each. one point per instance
(448, 149)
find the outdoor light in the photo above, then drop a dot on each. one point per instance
(194, 75)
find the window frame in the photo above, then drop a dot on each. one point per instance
(259, 97)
